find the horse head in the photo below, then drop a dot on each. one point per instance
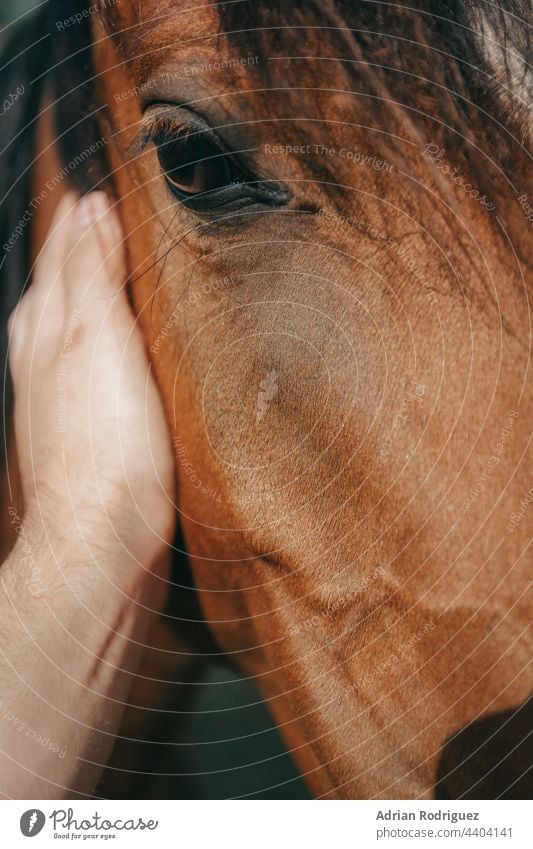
(327, 255)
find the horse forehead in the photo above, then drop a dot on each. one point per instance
(154, 34)
(150, 15)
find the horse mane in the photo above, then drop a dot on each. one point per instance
(464, 61)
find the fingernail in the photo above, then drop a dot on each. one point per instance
(89, 209)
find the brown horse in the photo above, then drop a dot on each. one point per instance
(327, 225)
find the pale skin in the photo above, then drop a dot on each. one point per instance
(88, 571)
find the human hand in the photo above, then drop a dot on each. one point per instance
(94, 452)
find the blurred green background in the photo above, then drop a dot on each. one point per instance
(10, 10)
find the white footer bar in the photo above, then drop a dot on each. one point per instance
(267, 824)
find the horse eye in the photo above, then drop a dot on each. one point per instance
(201, 172)
(196, 166)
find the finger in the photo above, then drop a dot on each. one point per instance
(15, 336)
(26, 316)
(94, 267)
(50, 260)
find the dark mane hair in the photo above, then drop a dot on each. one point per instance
(463, 62)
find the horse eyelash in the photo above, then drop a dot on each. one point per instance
(158, 131)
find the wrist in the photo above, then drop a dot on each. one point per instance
(61, 544)
(81, 585)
